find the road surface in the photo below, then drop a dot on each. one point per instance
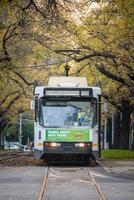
(64, 183)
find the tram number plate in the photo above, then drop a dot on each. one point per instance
(67, 148)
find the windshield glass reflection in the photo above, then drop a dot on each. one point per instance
(74, 114)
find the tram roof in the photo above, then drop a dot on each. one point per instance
(67, 83)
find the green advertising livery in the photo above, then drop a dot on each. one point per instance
(65, 135)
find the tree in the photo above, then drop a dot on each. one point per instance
(24, 45)
(104, 41)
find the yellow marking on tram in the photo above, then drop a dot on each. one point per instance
(40, 144)
(95, 145)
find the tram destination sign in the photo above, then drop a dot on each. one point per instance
(75, 92)
(65, 135)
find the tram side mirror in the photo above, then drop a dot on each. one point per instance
(32, 105)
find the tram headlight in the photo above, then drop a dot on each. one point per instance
(51, 144)
(86, 144)
(54, 144)
(80, 145)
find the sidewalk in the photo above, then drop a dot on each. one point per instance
(122, 168)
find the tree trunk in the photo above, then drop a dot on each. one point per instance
(0, 140)
(132, 146)
(116, 143)
(109, 133)
(3, 124)
(132, 132)
(125, 126)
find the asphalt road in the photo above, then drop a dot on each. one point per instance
(64, 183)
(21, 183)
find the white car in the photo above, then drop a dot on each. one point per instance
(24, 148)
(12, 146)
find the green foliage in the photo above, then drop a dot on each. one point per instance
(27, 132)
(12, 132)
(103, 37)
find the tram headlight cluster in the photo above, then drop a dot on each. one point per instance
(83, 144)
(79, 145)
(52, 144)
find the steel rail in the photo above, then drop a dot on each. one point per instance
(12, 155)
(7, 158)
(44, 185)
(91, 178)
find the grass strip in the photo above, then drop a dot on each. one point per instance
(117, 154)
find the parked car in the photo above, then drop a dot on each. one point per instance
(12, 146)
(24, 148)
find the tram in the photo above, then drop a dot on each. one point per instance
(66, 119)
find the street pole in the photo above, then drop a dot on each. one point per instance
(112, 126)
(20, 132)
(105, 124)
(99, 126)
(105, 132)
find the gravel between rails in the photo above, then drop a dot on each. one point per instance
(23, 159)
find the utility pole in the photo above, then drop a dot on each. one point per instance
(20, 122)
(112, 125)
(99, 126)
(105, 124)
(20, 132)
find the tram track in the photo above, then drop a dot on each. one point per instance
(8, 156)
(44, 185)
(88, 174)
(95, 184)
(9, 153)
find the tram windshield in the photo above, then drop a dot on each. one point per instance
(69, 113)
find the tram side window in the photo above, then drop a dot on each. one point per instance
(40, 114)
(36, 110)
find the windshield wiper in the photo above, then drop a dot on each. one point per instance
(74, 106)
(53, 126)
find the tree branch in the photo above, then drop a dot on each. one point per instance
(4, 100)
(22, 78)
(3, 59)
(8, 34)
(9, 105)
(68, 51)
(117, 78)
(96, 54)
(3, 124)
(18, 83)
(128, 66)
(109, 99)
